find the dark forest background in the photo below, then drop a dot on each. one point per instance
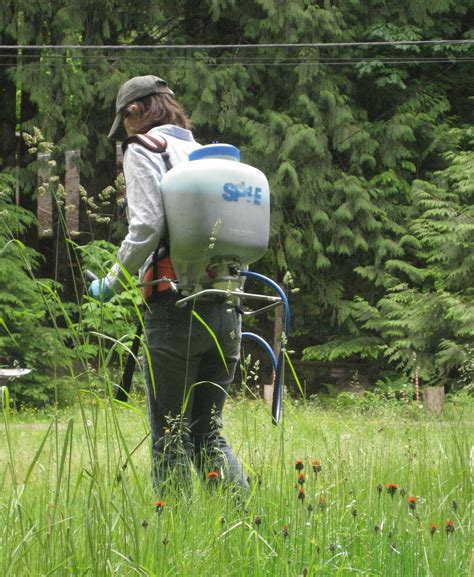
(368, 150)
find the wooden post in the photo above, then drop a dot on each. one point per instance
(268, 394)
(434, 399)
(277, 332)
(67, 225)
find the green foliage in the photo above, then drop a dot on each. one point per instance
(364, 346)
(425, 318)
(29, 336)
(105, 328)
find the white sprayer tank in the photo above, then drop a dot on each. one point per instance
(218, 216)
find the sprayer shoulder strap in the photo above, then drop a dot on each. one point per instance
(158, 145)
(154, 143)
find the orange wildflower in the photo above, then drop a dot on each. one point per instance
(392, 489)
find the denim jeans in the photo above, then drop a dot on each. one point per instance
(186, 384)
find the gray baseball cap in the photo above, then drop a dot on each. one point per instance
(134, 89)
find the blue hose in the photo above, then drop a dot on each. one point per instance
(277, 288)
(278, 365)
(265, 345)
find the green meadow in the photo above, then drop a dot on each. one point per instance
(380, 491)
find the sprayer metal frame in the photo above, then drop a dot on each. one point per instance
(239, 293)
(277, 359)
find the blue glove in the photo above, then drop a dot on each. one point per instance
(100, 290)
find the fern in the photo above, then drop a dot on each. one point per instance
(364, 347)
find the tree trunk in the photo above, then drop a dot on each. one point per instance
(7, 116)
(28, 177)
(67, 225)
(434, 399)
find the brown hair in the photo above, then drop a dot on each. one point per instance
(156, 110)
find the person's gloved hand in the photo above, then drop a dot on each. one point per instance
(100, 290)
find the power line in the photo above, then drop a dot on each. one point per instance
(251, 59)
(272, 63)
(248, 60)
(439, 42)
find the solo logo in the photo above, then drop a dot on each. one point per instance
(234, 192)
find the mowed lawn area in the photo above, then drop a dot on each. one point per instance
(376, 491)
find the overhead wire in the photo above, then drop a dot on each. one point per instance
(238, 46)
(249, 60)
(288, 64)
(83, 52)
(258, 59)
(45, 59)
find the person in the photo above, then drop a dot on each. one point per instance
(186, 380)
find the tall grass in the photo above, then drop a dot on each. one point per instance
(77, 500)
(76, 496)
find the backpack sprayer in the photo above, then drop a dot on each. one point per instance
(218, 217)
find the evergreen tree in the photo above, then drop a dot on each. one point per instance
(354, 141)
(425, 318)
